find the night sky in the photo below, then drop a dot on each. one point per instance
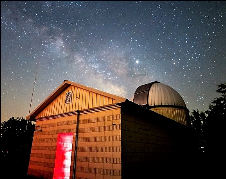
(111, 46)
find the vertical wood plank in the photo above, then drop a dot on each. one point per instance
(83, 99)
(88, 93)
(98, 100)
(110, 101)
(101, 100)
(94, 99)
(76, 99)
(90, 99)
(87, 99)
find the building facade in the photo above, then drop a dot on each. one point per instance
(86, 133)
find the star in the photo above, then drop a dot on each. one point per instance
(112, 46)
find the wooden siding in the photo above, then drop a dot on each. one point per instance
(81, 99)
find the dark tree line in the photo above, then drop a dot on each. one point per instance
(210, 127)
(16, 141)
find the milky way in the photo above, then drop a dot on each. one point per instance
(111, 46)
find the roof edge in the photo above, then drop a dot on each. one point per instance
(48, 100)
(60, 89)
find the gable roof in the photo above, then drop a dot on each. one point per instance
(60, 89)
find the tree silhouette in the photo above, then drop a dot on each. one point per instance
(210, 127)
(215, 128)
(16, 141)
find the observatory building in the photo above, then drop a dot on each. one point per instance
(82, 132)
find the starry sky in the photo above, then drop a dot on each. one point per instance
(112, 46)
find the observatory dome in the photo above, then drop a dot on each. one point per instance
(162, 99)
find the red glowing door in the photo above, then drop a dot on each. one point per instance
(63, 156)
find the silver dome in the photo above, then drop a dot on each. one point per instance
(162, 99)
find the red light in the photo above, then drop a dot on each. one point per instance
(63, 156)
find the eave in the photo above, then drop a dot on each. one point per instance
(60, 89)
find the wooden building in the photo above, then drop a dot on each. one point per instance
(86, 133)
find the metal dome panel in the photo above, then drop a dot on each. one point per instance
(160, 94)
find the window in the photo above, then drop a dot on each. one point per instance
(68, 97)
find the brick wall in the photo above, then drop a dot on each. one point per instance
(99, 145)
(43, 151)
